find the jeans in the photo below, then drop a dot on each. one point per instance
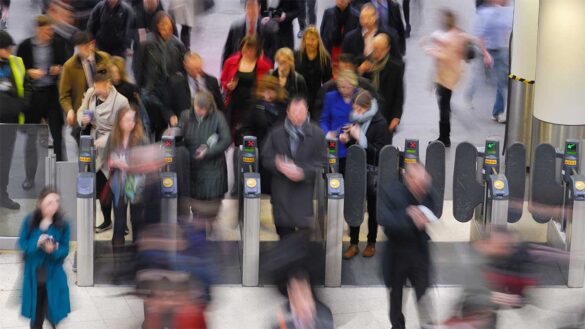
(501, 69)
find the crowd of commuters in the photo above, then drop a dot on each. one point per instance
(344, 81)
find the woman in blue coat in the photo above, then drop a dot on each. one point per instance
(336, 109)
(44, 240)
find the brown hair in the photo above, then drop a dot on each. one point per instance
(136, 134)
(270, 82)
(251, 41)
(37, 215)
(120, 64)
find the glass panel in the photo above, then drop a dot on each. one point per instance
(23, 149)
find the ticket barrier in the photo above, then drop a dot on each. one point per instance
(564, 192)
(249, 205)
(168, 179)
(480, 188)
(391, 161)
(86, 212)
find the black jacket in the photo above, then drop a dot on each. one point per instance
(332, 85)
(178, 95)
(377, 136)
(293, 201)
(238, 32)
(285, 37)
(336, 24)
(392, 89)
(58, 49)
(315, 75)
(112, 27)
(354, 44)
(151, 71)
(295, 84)
(395, 23)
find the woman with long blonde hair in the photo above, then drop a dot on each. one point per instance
(313, 62)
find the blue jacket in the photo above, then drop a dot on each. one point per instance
(57, 289)
(334, 116)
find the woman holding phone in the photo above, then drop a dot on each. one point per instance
(44, 240)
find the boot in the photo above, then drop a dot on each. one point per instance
(351, 251)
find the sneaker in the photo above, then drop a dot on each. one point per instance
(27, 184)
(351, 251)
(501, 118)
(370, 250)
(447, 143)
(300, 34)
(8, 203)
(103, 227)
(495, 118)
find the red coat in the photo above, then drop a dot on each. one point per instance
(230, 68)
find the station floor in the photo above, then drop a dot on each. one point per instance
(106, 306)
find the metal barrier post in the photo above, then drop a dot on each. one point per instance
(576, 234)
(251, 230)
(51, 170)
(335, 222)
(498, 194)
(169, 181)
(85, 212)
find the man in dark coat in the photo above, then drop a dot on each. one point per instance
(43, 56)
(404, 210)
(284, 13)
(111, 24)
(387, 76)
(337, 22)
(359, 41)
(391, 19)
(294, 153)
(249, 25)
(182, 87)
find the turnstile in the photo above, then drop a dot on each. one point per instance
(86, 212)
(479, 187)
(168, 179)
(558, 192)
(334, 229)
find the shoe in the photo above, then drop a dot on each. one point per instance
(126, 232)
(103, 227)
(8, 203)
(300, 34)
(501, 118)
(27, 184)
(495, 118)
(351, 251)
(370, 250)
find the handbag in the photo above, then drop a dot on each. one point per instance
(134, 188)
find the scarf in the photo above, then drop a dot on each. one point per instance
(364, 120)
(376, 69)
(295, 134)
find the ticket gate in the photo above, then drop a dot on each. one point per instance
(480, 187)
(561, 186)
(168, 179)
(86, 212)
(249, 206)
(391, 161)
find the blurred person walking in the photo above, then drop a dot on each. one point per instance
(391, 18)
(306, 8)
(44, 241)
(494, 27)
(111, 23)
(97, 114)
(13, 102)
(43, 56)
(336, 23)
(387, 76)
(206, 136)
(184, 13)
(369, 130)
(314, 63)
(404, 210)
(279, 15)
(78, 75)
(288, 77)
(448, 48)
(294, 153)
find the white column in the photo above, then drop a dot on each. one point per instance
(524, 40)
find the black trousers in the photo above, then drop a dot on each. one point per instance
(44, 105)
(105, 196)
(411, 265)
(444, 100)
(186, 36)
(7, 139)
(354, 231)
(41, 308)
(406, 10)
(307, 7)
